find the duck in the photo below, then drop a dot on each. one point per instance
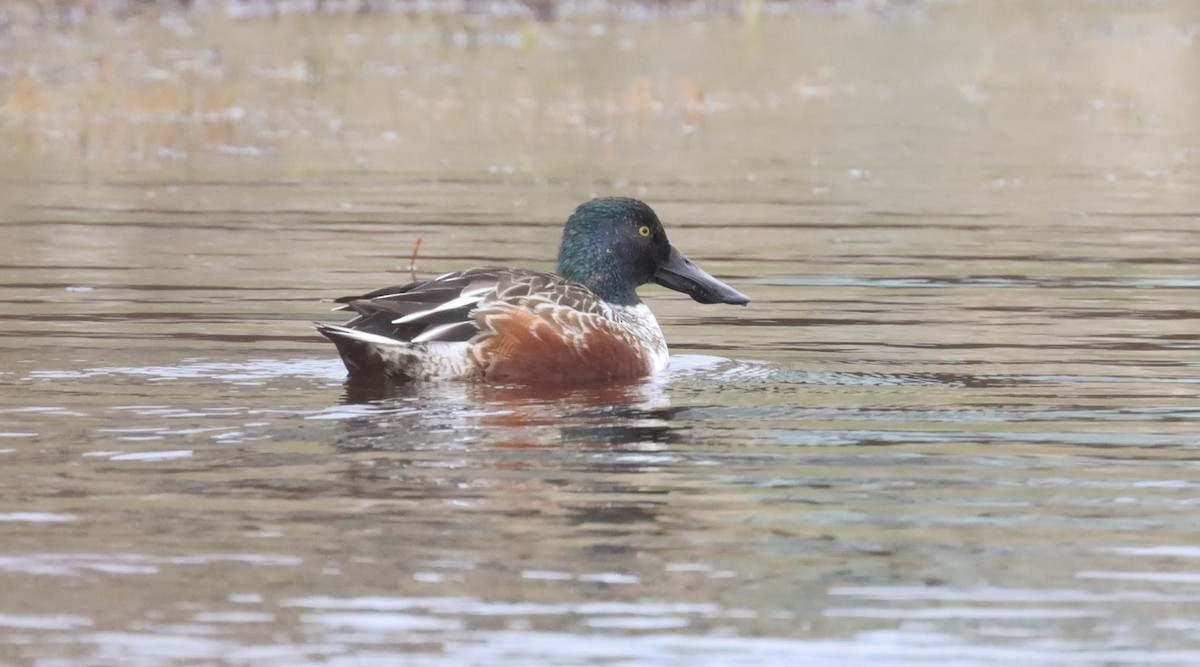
(582, 323)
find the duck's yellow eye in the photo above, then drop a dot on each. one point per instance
(644, 231)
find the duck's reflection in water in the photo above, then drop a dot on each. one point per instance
(579, 471)
(417, 416)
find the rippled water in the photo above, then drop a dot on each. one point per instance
(956, 426)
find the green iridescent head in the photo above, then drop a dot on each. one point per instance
(613, 245)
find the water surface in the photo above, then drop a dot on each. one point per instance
(956, 426)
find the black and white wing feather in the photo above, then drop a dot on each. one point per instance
(440, 310)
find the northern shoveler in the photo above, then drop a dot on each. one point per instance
(585, 322)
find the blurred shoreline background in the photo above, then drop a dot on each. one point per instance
(70, 11)
(152, 83)
(955, 426)
(1002, 94)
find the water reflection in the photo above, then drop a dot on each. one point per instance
(415, 416)
(958, 424)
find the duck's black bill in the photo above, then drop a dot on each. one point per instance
(681, 275)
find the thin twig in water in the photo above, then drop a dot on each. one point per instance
(412, 263)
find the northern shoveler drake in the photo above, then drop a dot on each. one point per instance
(584, 322)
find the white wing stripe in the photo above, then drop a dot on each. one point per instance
(453, 304)
(436, 331)
(362, 335)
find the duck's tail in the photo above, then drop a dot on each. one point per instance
(372, 355)
(362, 352)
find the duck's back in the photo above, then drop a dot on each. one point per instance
(496, 323)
